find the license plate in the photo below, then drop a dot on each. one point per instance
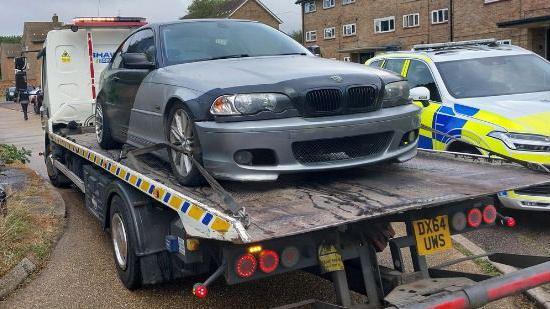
(432, 235)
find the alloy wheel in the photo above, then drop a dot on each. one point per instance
(181, 135)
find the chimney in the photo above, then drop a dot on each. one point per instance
(55, 19)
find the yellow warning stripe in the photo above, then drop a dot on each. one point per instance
(156, 190)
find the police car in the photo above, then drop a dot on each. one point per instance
(486, 94)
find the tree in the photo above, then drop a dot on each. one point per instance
(298, 36)
(10, 39)
(203, 8)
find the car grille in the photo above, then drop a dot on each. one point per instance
(362, 97)
(331, 101)
(324, 100)
(537, 190)
(340, 149)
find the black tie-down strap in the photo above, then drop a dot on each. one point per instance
(232, 207)
(530, 165)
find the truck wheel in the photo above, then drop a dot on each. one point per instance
(180, 131)
(103, 129)
(57, 178)
(124, 240)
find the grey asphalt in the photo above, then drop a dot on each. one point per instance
(81, 273)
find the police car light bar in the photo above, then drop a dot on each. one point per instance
(109, 21)
(436, 46)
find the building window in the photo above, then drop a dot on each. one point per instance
(504, 42)
(311, 36)
(310, 7)
(346, 2)
(386, 24)
(411, 20)
(350, 29)
(440, 16)
(330, 33)
(347, 59)
(327, 4)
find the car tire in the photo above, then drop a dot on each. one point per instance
(57, 178)
(183, 169)
(124, 242)
(103, 129)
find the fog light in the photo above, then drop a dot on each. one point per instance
(290, 257)
(458, 221)
(243, 157)
(409, 138)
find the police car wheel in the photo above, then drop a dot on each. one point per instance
(181, 132)
(123, 237)
(103, 129)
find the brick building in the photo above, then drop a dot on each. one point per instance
(247, 9)
(34, 35)
(8, 52)
(354, 30)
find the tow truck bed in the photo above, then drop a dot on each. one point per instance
(308, 202)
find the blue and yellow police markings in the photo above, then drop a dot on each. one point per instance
(190, 211)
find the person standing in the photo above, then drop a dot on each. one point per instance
(23, 99)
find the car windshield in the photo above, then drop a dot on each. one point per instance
(209, 40)
(495, 76)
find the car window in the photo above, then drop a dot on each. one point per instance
(377, 63)
(207, 40)
(394, 65)
(143, 42)
(419, 75)
(117, 58)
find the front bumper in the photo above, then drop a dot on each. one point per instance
(513, 200)
(220, 141)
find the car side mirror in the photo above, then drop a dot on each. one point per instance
(137, 61)
(421, 94)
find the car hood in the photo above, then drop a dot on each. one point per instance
(522, 113)
(231, 73)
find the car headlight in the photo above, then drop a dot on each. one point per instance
(523, 142)
(249, 104)
(396, 94)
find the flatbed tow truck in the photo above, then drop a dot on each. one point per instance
(331, 224)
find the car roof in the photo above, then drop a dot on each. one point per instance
(459, 53)
(183, 21)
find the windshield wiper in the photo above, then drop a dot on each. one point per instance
(230, 56)
(288, 54)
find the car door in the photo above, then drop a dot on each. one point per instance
(109, 95)
(128, 80)
(434, 116)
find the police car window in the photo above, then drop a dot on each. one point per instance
(395, 65)
(377, 63)
(143, 42)
(419, 75)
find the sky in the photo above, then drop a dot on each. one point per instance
(14, 12)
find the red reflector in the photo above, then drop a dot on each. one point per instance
(458, 303)
(246, 265)
(200, 290)
(510, 222)
(489, 214)
(269, 261)
(474, 217)
(518, 285)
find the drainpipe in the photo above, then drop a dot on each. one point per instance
(451, 23)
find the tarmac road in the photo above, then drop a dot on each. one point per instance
(81, 273)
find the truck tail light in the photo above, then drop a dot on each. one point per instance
(200, 291)
(509, 222)
(269, 261)
(474, 217)
(246, 265)
(290, 257)
(489, 214)
(458, 221)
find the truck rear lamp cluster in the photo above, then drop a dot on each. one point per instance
(474, 217)
(200, 291)
(269, 261)
(290, 257)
